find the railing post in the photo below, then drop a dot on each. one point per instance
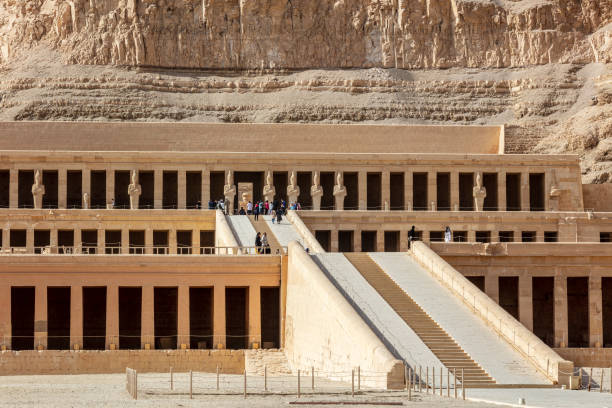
(171, 380)
(420, 379)
(448, 383)
(409, 384)
(353, 382)
(455, 378)
(217, 378)
(312, 376)
(427, 380)
(358, 378)
(441, 379)
(299, 393)
(266, 378)
(462, 383)
(245, 384)
(190, 384)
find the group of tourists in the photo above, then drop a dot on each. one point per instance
(262, 246)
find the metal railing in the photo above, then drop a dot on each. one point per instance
(141, 250)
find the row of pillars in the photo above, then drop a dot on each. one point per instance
(147, 316)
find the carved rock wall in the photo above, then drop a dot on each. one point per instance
(226, 34)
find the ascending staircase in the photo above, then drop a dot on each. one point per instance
(262, 226)
(434, 337)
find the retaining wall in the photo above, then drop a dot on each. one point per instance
(33, 362)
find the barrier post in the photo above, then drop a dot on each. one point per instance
(358, 378)
(266, 377)
(462, 383)
(217, 378)
(455, 377)
(610, 380)
(420, 379)
(190, 384)
(135, 384)
(171, 379)
(245, 385)
(427, 380)
(448, 383)
(298, 383)
(409, 383)
(441, 379)
(353, 382)
(312, 372)
(406, 373)
(433, 380)
(589, 379)
(601, 382)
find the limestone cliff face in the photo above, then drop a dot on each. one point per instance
(289, 34)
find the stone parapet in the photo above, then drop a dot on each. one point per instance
(528, 344)
(309, 240)
(587, 357)
(323, 331)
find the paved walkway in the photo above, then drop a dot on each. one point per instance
(284, 232)
(496, 356)
(243, 229)
(543, 398)
(376, 312)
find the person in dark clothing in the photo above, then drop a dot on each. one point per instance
(241, 212)
(211, 204)
(411, 236)
(256, 212)
(279, 216)
(258, 243)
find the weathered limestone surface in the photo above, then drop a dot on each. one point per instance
(311, 33)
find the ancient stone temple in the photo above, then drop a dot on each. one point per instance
(126, 237)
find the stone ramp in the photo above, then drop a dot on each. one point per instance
(262, 226)
(256, 361)
(505, 364)
(443, 346)
(284, 232)
(388, 326)
(243, 230)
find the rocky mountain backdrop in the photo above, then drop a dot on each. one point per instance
(541, 67)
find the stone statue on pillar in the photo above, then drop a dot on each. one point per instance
(38, 190)
(339, 192)
(134, 190)
(269, 190)
(316, 191)
(229, 192)
(86, 201)
(293, 190)
(479, 192)
(555, 193)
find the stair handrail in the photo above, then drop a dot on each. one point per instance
(544, 358)
(309, 240)
(223, 233)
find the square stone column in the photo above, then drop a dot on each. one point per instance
(78, 242)
(53, 240)
(205, 188)
(182, 189)
(62, 188)
(492, 286)
(13, 188)
(386, 190)
(471, 235)
(40, 317)
(183, 328)
(501, 191)
(408, 199)
(101, 241)
(172, 241)
(112, 316)
(362, 180)
(6, 238)
(403, 241)
(454, 190)
(147, 324)
(158, 189)
(524, 191)
(86, 183)
(560, 310)
(254, 316)
(30, 240)
(357, 240)
(526, 301)
(125, 241)
(595, 312)
(195, 242)
(432, 190)
(5, 316)
(76, 317)
(149, 241)
(110, 185)
(334, 240)
(380, 241)
(219, 316)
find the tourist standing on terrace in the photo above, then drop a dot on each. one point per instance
(256, 212)
(264, 243)
(447, 234)
(258, 243)
(249, 208)
(411, 236)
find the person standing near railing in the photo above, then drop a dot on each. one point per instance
(258, 243)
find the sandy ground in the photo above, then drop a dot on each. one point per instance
(108, 390)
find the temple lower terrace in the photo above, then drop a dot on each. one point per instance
(117, 253)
